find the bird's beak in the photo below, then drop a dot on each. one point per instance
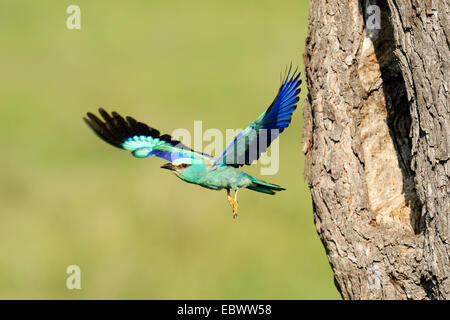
(169, 166)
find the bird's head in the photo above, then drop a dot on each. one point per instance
(186, 168)
(176, 168)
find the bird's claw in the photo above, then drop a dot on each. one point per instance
(235, 209)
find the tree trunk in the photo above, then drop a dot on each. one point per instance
(376, 139)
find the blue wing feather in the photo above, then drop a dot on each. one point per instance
(254, 140)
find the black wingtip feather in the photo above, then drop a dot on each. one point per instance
(114, 129)
(100, 129)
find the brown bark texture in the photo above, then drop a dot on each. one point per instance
(376, 139)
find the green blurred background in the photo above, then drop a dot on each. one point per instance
(135, 230)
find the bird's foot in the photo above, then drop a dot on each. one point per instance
(234, 214)
(233, 203)
(235, 206)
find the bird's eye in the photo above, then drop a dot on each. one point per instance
(184, 165)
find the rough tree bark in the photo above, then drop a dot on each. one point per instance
(376, 139)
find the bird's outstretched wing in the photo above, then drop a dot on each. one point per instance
(142, 140)
(248, 145)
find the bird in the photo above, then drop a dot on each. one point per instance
(199, 168)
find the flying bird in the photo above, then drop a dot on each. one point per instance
(199, 168)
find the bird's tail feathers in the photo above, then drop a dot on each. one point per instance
(264, 187)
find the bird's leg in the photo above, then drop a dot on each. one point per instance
(230, 199)
(235, 207)
(233, 202)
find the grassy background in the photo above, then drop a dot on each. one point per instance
(135, 230)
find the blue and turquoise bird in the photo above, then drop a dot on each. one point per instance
(199, 168)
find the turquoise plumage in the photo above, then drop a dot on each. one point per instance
(199, 168)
